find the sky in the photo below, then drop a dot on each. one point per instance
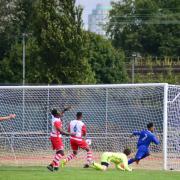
(88, 6)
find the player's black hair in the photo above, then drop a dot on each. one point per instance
(105, 164)
(150, 125)
(127, 151)
(79, 114)
(54, 112)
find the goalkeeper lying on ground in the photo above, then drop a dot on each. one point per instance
(119, 159)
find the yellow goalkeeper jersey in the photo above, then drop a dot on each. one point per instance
(117, 158)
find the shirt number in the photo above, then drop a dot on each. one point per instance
(75, 128)
(145, 137)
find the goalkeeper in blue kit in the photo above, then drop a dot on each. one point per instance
(146, 137)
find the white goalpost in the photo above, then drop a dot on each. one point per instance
(111, 113)
(173, 128)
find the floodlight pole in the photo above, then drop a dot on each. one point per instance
(133, 64)
(24, 35)
(24, 57)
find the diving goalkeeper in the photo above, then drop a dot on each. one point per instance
(146, 137)
(119, 159)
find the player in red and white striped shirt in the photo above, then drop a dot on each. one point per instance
(78, 128)
(56, 138)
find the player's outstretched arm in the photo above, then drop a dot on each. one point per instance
(125, 163)
(64, 132)
(120, 167)
(126, 166)
(11, 116)
(65, 109)
(156, 140)
(135, 133)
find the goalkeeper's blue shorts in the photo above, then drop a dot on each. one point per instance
(142, 152)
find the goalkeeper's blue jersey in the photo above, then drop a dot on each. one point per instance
(145, 138)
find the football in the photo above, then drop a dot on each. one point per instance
(88, 141)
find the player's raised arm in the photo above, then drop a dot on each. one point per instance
(64, 110)
(135, 133)
(11, 116)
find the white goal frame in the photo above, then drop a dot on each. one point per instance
(165, 102)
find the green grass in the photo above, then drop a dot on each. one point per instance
(40, 173)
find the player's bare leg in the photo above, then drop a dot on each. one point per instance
(54, 166)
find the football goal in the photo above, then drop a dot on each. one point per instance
(111, 113)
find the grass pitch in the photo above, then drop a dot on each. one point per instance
(40, 173)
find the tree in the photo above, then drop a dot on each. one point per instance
(106, 61)
(149, 27)
(62, 42)
(6, 19)
(55, 50)
(11, 65)
(19, 21)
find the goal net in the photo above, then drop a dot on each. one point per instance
(173, 128)
(111, 113)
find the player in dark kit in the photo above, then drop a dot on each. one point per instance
(146, 137)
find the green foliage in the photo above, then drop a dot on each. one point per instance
(11, 65)
(106, 61)
(59, 51)
(61, 40)
(6, 26)
(157, 78)
(157, 71)
(55, 46)
(149, 27)
(19, 21)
